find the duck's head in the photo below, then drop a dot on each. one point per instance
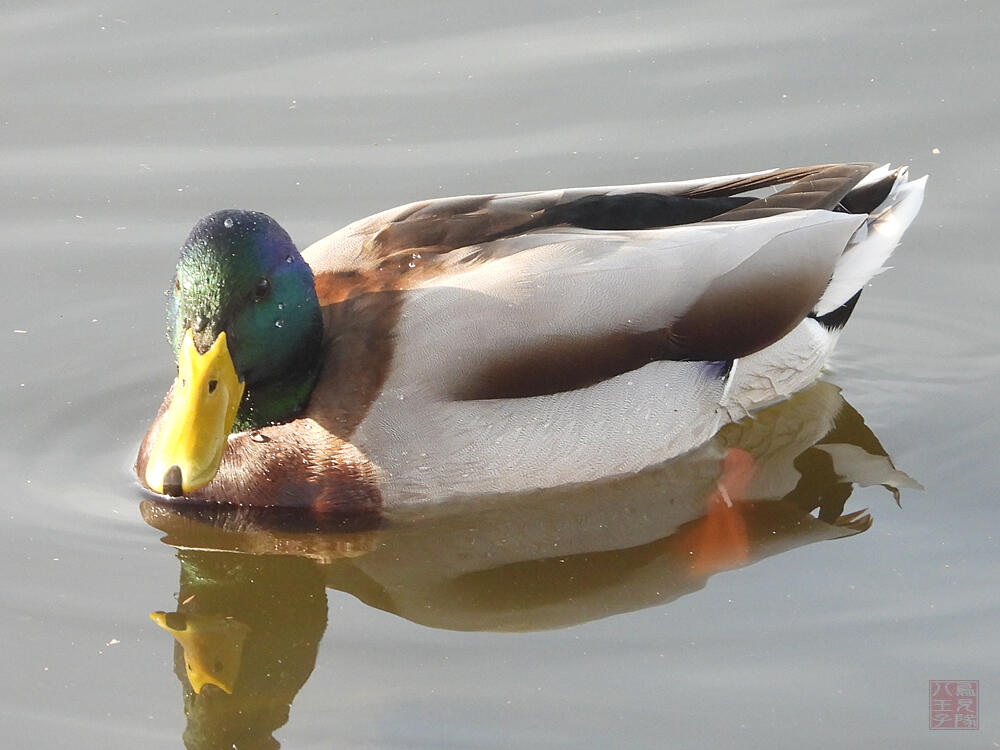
(246, 329)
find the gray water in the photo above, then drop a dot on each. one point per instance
(121, 123)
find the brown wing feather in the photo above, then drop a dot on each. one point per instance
(822, 190)
(444, 225)
(435, 228)
(758, 181)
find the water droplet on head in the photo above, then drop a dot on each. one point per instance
(228, 223)
(411, 264)
(288, 259)
(281, 305)
(279, 323)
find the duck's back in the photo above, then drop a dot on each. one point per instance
(544, 338)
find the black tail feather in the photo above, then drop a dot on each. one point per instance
(837, 318)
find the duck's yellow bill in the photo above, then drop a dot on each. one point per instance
(192, 437)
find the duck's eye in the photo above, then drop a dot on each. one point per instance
(177, 285)
(262, 291)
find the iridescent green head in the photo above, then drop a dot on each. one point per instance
(240, 273)
(247, 332)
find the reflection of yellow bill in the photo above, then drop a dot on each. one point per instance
(213, 646)
(206, 396)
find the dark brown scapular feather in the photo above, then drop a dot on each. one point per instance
(437, 227)
(758, 181)
(823, 190)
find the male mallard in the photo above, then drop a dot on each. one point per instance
(502, 343)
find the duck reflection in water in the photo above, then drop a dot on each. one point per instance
(252, 603)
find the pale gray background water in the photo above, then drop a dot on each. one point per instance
(123, 122)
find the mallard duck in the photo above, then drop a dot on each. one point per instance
(491, 344)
